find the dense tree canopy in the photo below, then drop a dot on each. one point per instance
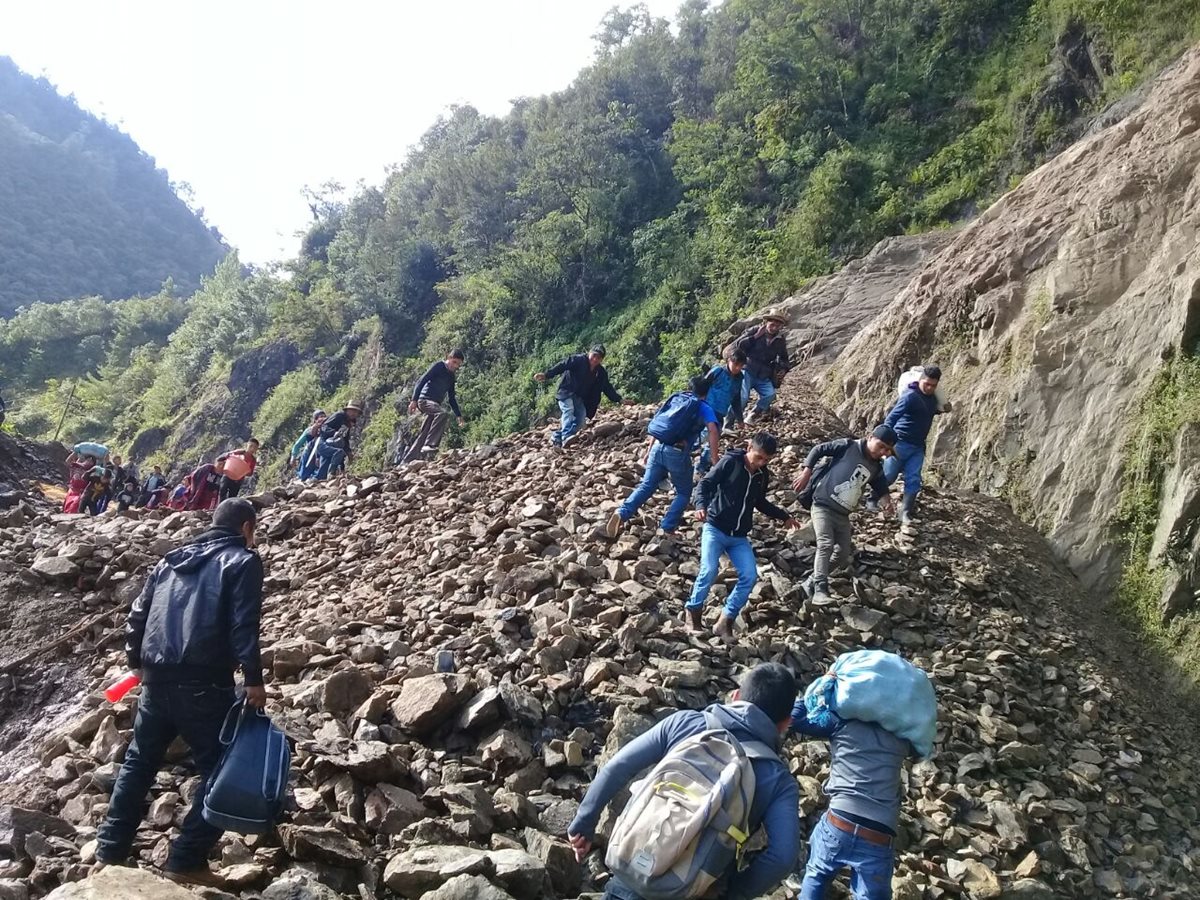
(688, 173)
(83, 211)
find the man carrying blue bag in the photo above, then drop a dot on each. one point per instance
(196, 620)
(877, 710)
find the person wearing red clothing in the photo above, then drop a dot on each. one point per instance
(78, 468)
(205, 481)
(239, 465)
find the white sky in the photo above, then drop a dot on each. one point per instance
(250, 100)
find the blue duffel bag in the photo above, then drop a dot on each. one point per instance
(249, 785)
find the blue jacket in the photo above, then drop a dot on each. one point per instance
(725, 392)
(912, 416)
(776, 803)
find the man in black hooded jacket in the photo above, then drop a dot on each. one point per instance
(196, 620)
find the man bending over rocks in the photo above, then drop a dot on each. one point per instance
(196, 620)
(850, 467)
(725, 502)
(759, 713)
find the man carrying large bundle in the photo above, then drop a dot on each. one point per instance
(766, 352)
(877, 710)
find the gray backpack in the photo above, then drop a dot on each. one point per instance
(687, 822)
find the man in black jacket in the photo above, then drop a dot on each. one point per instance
(334, 448)
(434, 388)
(766, 352)
(582, 376)
(196, 620)
(725, 502)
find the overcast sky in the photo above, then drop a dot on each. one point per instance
(250, 100)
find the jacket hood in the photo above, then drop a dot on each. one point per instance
(190, 557)
(746, 721)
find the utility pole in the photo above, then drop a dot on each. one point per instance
(66, 409)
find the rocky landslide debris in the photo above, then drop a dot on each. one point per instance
(1049, 780)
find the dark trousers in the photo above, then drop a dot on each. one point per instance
(195, 712)
(429, 438)
(229, 488)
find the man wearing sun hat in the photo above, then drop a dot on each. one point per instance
(766, 352)
(334, 448)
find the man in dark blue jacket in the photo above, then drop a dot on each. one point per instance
(912, 418)
(197, 619)
(725, 502)
(760, 711)
(582, 376)
(433, 389)
(334, 447)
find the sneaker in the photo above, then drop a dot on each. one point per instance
(614, 525)
(203, 876)
(822, 598)
(807, 587)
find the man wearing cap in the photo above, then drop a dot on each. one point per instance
(196, 620)
(334, 449)
(581, 375)
(766, 352)
(433, 389)
(852, 466)
(912, 419)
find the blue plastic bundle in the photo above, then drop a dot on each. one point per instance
(880, 687)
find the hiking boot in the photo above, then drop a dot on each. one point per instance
(724, 629)
(694, 618)
(821, 597)
(614, 525)
(203, 876)
(807, 587)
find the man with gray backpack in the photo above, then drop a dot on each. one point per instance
(671, 432)
(716, 779)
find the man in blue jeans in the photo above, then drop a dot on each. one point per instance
(334, 448)
(912, 418)
(581, 375)
(766, 352)
(725, 502)
(671, 461)
(196, 620)
(725, 398)
(864, 791)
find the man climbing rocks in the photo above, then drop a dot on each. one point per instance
(334, 449)
(581, 375)
(239, 465)
(205, 485)
(851, 467)
(758, 714)
(434, 389)
(672, 431)
(725, 397)
(196, 620)
(912, 418)
(766, 352)
(725, 502)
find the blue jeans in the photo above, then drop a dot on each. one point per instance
(831, 850)
(574, 414)
(704, 461)
(714, 543)
(193, 711)
(908, 458)
(665, 462)
(330, 459)
(765, 388)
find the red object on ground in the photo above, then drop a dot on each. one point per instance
(116, 691)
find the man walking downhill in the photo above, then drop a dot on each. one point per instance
(852, 465)
(725, 502)
(305, 447)
(759, 713)
(725, 397)
(581, 374)
(766, 352)
(912, 418)
(435, 388)
(334, 449)
(672, 431)
(196, 620)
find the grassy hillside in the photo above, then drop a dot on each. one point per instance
(688, 174)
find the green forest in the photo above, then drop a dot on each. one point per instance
(691, 172)
(82, 209)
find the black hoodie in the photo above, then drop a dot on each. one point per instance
(197, 617)
(730, 494)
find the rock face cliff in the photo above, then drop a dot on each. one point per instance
(1067, 319)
